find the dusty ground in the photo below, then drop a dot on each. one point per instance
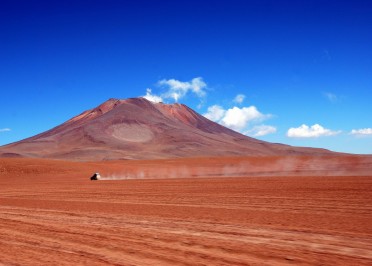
(52, 214)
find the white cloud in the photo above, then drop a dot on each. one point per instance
(151, 97)
(314, 131)
(238, 118)
(5, 129)
(239, 98)
(235, 118)
(362, 132)
(178, 89)
(261, 130)
(215, 113)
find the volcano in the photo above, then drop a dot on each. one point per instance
(136, 128)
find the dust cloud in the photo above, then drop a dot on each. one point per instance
(273, 166)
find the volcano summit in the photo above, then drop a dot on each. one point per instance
(136, 128)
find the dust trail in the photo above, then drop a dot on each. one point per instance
(273, 166)
(164, 173)
(139, 175)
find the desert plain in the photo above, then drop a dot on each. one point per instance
(190, 211)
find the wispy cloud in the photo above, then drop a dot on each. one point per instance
(315, 131)
(239, 98)
(177, 89)
(5, 129)
(333, 98)
(326, 55)
(152, 97)
(363, 132)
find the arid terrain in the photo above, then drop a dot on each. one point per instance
(196, 211)
(136, 128)
(178, 189)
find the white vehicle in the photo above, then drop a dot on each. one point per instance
(96, 176)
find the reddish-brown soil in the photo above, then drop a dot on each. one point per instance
(52, 214)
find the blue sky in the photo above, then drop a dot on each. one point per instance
(303, 69)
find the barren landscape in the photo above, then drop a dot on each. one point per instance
(51, 213)
(176, 133)
(178, 189)
(137, 128)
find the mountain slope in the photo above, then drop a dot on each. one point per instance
(139, 129)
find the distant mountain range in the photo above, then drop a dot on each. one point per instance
(136, 128)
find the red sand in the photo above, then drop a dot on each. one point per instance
(51, 213)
